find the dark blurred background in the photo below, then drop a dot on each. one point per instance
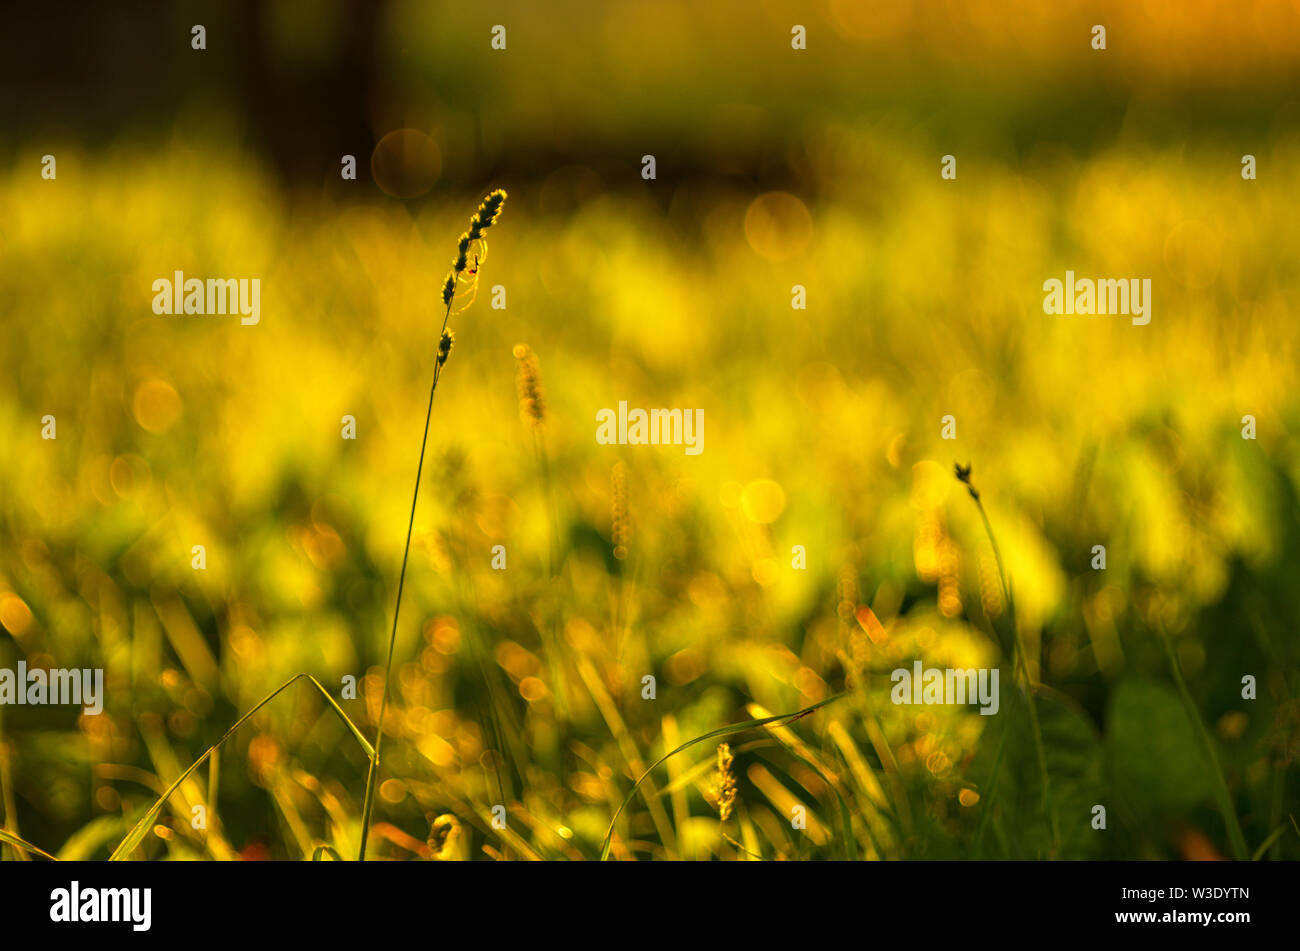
(709, 88)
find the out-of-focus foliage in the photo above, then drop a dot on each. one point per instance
(523, 686)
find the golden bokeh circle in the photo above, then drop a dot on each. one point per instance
(406, 163)
(157, 405)
(762, 501)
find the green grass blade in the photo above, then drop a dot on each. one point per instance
(141, 828)
(846, 820)
(1268, 843)
(1020, 660)
(323, 849)
(20, 843)
(82, 845)
(365, 744)
(723, 731)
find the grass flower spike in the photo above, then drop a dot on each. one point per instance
(726, 783)
(532, 405)
(469, 242)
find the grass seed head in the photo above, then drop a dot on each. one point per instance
(963, 476)
(487, 213)
(532, 405)
(621, 527)
(485, 217)
(726, 783)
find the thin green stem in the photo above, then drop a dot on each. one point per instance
(372, 774)
(1022, 663)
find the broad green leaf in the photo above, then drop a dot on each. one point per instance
(1155, 760)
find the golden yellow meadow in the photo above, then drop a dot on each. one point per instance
(799, 271)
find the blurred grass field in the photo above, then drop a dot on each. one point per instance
(822, 430)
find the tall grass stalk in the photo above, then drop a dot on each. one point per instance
(1019, 661)
(483, 219)
(532, 410)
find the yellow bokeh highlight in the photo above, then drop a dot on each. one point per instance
(762, 501)
(15, 615)
(157, 405)
(778, 226)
